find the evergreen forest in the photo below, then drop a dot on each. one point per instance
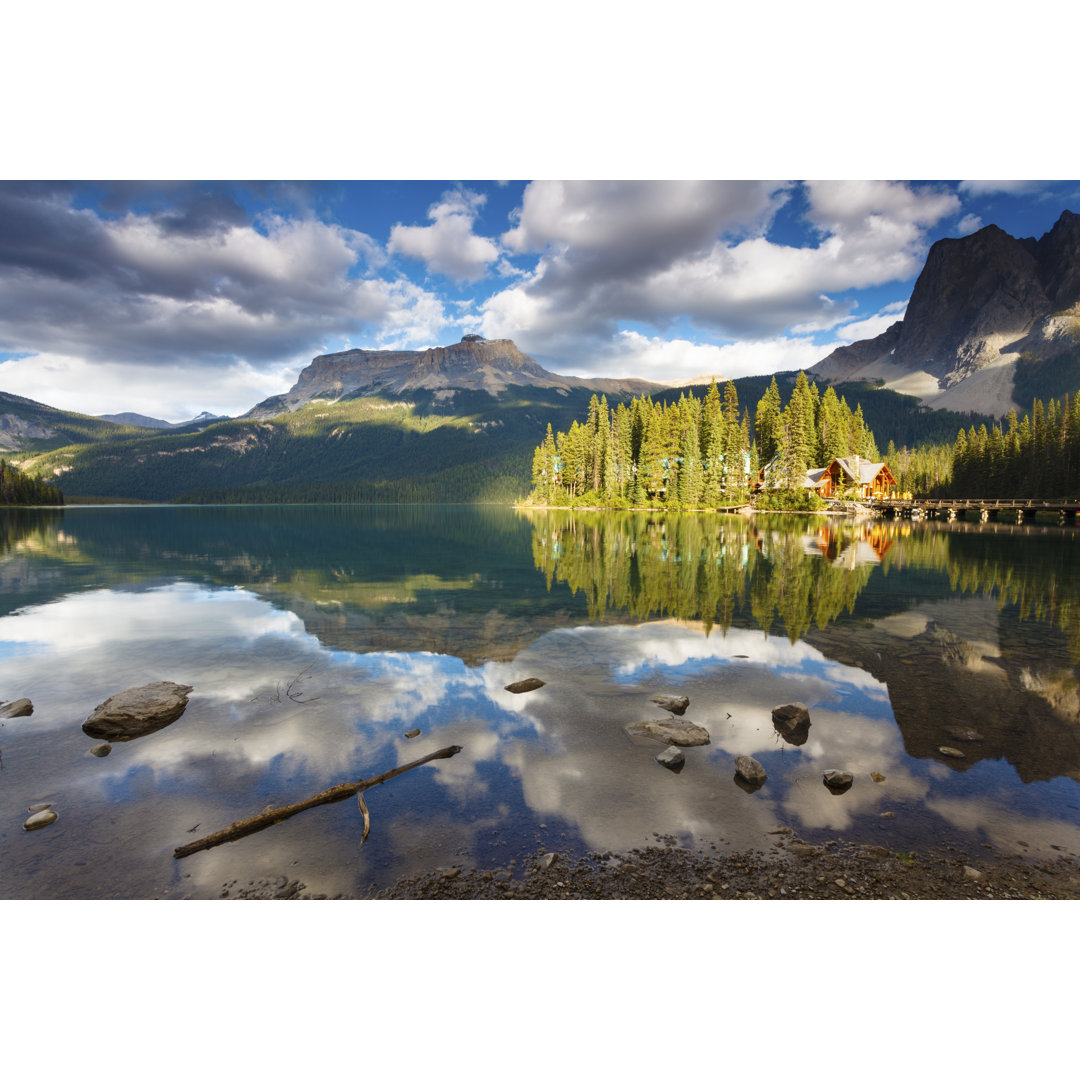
(19, 490)
(697, 453)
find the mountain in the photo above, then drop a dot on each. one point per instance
(452, 424)
(132, 419)
(981, 304)
(27, 424)
(135, 419)
(474, 363)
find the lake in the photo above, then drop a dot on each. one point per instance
(315, 637)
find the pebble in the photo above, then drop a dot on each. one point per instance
(876, 777)
(548, 860)
(102, 749)
(671, 758)
(972, 874)
(448, 872)
(40, 820)
(951, 751)
(412, 733)
(524, 686)
(38, 807)
(676, 705)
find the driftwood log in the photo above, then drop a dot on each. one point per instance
(338, 793)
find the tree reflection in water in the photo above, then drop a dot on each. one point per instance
(798, 571)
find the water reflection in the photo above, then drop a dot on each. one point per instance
(890, 636)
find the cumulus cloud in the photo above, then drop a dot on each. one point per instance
(449, 246)
(653, 252)
(166, 391)
(969, 223)
(870, 327)
(192, 288)
(677, 360)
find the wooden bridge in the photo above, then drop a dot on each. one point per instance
(1011, 510)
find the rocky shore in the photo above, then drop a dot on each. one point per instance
(790, 870)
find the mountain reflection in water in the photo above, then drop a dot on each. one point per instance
(389, 618)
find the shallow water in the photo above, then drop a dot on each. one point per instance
(314, 637)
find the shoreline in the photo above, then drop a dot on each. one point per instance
(789, 869)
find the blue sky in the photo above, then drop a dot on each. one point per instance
(171, 298)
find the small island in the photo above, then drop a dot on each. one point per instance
(701, 454)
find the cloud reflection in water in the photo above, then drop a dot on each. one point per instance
(559, 755)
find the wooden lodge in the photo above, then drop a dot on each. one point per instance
(844, 476)
(867, 479)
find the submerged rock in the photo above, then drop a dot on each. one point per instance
(412, 733)
(676, 705)
(877, 777)
(951, 751)
(792, 722)
(671, 758)
(139, 711)
(750, 769)
(837, 780)
(22, 707)
(38, 807)
(103, 749)
(525, 685)
(963, 734)
(674, 731)
(548, 860)
(40, 820)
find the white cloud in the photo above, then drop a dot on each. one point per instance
(168, 392)
(161, 289)
(870, 327)
(632, 353)
(653, 252)
(449, 247)
(969, 223)
(1001, 187)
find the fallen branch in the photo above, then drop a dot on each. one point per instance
(367, 817)
(339, 792)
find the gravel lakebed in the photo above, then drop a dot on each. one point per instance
(789, 870)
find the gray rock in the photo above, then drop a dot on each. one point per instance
(38, 807)
(837, 780)
(671, 758)
(40, 820)
(525, 685)
(794, 713)
(951, 751)
(674, 731)
(139, 711)
(676, 705)
(103, 749)
(750, 769)
(23, 707)
(792, 722)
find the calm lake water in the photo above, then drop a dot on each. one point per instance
(315, 637)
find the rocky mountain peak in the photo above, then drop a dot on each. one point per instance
(980, 301)
(473, 363)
